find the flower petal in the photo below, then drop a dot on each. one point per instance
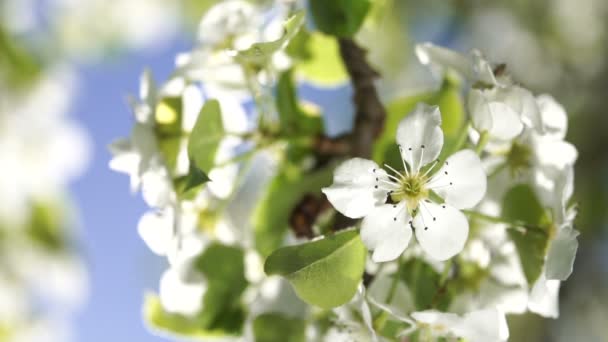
(386, 231)
(487, 325)
(553, 115)
(440, 59)
(446, 320)
(177, 296)
(461, 181)
(480, 110)
(441, 230)
(420, 137)
(553, 153)
(560, 258)
(544, 297)
(357, 187)
(156, 229)
(492, 114)
(523, 103)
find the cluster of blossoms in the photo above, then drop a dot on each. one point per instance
(480, 255)
(42, 280)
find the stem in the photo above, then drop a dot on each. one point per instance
(462, 138)
(393, 288)
(512, 223)
(483, 140)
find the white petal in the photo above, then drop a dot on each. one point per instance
(490, 113)
(489, 325)
(440, 59)
(553, 153)
(386, 231)
(177, 296)
(357, 187)
(461, 181)
(560, 258)
(523, 103)
(553, 115)
(482, 68)
(437, 319)
(480, 110)
(420, 137)
(156, 229)
(441, 230)
(544, 297)
(156, 188)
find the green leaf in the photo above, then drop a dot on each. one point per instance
(521, 204)
(271, 217)
(158, 319)
(294, 120)
(341, 18)
(325, 272)
(259, 53)
(323, 67)
(274, 327)
(168, 129)
(194, 178)
(45, 226)
(224, 268)
(424, 284)
(206, 136)
(222, 313)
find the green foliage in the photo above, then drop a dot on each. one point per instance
(168, 129)
(325, 272)
(521, 204)
(195, 177)
(224, 268)
(425, 285)
(274, 327)
(222, 313)
(18, 67)
(206, 135)
(294, 120)
(319, 60)
(341, 18)
(271, 217)
(45, 226)
(259, 53)
(450, 104)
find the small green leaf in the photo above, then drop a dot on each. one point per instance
(224, 268)
(324, 66)
(259, 53)
(206, 136)
(293, 119)
(325, 272)
(192, 180)
(521, 204)
(222, 312)
(271, 217)
(274, 327)
(341, 18)
(424, 284)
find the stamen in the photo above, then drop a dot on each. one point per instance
(395, 171)
(403, 160)
(420, 161)
(399, 212)
(430, 168)
(395, 178)
(388, 183)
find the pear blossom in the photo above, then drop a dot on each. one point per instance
(488, 325)
(361, 189)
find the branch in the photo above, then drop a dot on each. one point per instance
(369, 115)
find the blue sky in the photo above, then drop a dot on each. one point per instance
(120, 265)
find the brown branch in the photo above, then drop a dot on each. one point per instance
(370, 113)
(369, 123)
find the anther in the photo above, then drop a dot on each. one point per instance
(445, 172)
(434, 219)
(443, 206)
(422, 146)
(394, 219)
(426, 228)
(376, 187)
(409, 149)
(450, 183)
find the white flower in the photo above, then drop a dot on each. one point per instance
(502, 112)
(489, 325)
(178, 295)
(354, 321)
(474, 67)
(361, 188)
